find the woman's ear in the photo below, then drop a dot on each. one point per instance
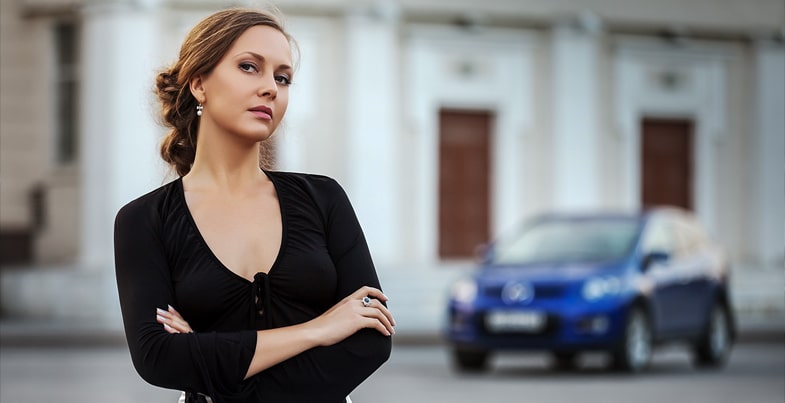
(197, 88)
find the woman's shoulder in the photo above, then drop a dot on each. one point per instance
(317, 185)
(152, 203)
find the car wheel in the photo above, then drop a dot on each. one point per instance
(470, 359)
(564, 361)
(634, 352)
(713, 348)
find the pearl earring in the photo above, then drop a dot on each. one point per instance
(199, 110)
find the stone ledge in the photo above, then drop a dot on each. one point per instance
(47, 333)
(57, 334)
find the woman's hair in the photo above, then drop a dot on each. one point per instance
(201, 51)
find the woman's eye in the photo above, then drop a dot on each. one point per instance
(248, 67)
(283, 80)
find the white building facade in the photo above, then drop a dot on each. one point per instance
(562, 99)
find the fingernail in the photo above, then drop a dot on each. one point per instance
(170, 308)
(159, 310)
(160, 318)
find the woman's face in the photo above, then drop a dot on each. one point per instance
(247, 92)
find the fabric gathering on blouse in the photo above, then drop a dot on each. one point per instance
(162, 259)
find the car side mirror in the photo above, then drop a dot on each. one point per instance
(654, 257)
(483, 253)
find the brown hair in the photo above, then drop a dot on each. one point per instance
(201, 51)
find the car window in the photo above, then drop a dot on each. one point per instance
(559, 240)
(658, 237)
(685, 241)
(690, 236)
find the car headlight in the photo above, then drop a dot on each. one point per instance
(601, 287)
(464, 291)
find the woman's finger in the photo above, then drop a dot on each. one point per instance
(161, 316)
(172, 320)
(375, 313)
(370, 292)
(375, 324)
(377, 310)
(386, 313)
(378, 294)
(170, 329)
(173, 311)
(380, 306)
(181, 325)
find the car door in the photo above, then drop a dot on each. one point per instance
(695, 265)
(669, 295)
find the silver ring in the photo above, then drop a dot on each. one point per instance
(366, 301)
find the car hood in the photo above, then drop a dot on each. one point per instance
(562, 272)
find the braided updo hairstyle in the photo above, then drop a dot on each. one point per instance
(201, 51)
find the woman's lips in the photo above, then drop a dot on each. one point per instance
(262, 112)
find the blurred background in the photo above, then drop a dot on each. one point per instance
(446, 121)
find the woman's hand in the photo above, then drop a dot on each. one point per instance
(172, 320)
(351, 314)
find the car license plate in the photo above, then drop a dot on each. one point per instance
(515, 321)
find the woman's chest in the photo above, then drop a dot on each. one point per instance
(244, 234)
(300, 284)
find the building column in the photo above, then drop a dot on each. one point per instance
(768, 158)
(119, 136)
(575, 113)
(373, 116)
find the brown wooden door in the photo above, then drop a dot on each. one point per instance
(464, 168)
(666, 154)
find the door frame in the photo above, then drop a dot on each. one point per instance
(690, 134)
(488, 178)
(702, 98)
(440, 60)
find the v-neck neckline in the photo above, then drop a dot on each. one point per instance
(200, 236)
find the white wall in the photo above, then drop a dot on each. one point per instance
(768, 157)
(700, 96)
(500, 79)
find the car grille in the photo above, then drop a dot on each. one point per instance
(541, 291)
(552, 325)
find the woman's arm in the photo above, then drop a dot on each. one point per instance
(277, 345)
(361, 342)
(206, 362)
(304, 361)
(338, 369)
(212, 363)
(341, 321)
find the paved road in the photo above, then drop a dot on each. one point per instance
(755, 374)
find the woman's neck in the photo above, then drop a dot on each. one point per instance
(227, 166)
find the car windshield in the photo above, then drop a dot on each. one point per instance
(568, 240)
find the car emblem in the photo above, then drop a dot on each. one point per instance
(517, 292)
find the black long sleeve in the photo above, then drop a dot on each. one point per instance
(327, 374)
(195, 362)
(162, 259)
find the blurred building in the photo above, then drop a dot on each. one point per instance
(447, 121)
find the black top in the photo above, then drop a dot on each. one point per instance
(161, 258)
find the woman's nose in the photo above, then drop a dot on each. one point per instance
(268, 87)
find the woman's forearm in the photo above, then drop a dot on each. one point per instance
(274, 346)
(341, 321)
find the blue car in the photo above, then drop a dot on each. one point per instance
(617, 283)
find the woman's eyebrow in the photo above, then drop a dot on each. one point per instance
(261, 58)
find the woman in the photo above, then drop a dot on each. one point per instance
(270, 270)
